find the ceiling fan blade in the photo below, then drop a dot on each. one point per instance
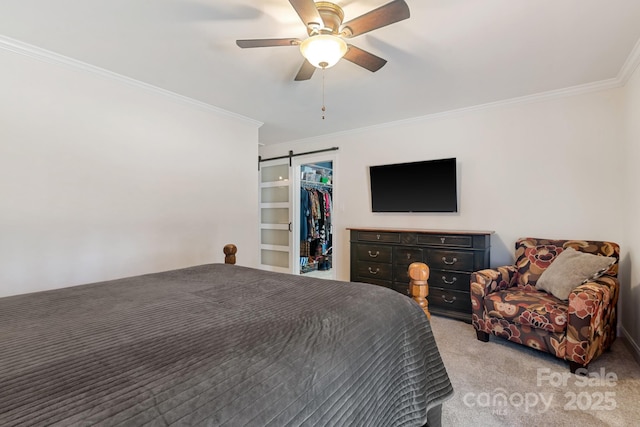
(306, 71)
(364, 59)
(267, 42)
(308, 12)
(384, 15)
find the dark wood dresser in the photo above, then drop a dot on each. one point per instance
(381, 256)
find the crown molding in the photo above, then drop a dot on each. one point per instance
(34, 52)
(528, 99)
(628, 68)
(630, 65)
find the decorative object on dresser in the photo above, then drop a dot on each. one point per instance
(526, 303)
(381, 256)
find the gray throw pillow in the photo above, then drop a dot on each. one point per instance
(570, 269)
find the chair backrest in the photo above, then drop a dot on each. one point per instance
(533, 255)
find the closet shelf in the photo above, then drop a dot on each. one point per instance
(314, 166)
(315, 184)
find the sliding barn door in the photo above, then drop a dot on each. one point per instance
(276, 237)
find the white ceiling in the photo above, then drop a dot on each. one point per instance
(450, 54)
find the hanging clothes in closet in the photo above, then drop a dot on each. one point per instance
(315, 221)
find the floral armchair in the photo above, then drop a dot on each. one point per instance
(506, 303)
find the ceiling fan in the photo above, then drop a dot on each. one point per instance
(326, 42)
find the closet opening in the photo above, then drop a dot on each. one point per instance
(315, 231)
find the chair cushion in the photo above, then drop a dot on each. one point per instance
(534, 255)
(570, 269)
(533, 260)
(533, 308)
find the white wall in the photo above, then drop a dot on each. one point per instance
(562, 168)
(630, 300)
(100, 179)
(548, 169)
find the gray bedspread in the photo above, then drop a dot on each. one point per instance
(218, 345)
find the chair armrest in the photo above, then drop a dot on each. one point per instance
(592, 319)
(491, 280)
(483, 283)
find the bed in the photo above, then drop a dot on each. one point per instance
(219, 345)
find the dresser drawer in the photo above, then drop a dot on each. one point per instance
(405, 256)
(449, 300)
(458, 241)
(449, 280)
(374, 270)
(374, 236)
(373, 253)
(382, 257)
(401, 273)
(403, 288)
(450, 260)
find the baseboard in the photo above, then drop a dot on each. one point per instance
(631, 344)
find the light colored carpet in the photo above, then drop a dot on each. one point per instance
(500, 383)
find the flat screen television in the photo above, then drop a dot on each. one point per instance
(425, 186)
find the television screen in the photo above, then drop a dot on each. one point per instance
(426, 186)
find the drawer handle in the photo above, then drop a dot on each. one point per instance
(374, 272)
(408, 256)
(444, 279)
(444, 298)
(444, 259)
(374, 256)
(378, 236)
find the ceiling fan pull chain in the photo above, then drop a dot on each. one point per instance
(323, 107)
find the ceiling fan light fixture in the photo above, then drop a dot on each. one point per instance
(323, 50)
